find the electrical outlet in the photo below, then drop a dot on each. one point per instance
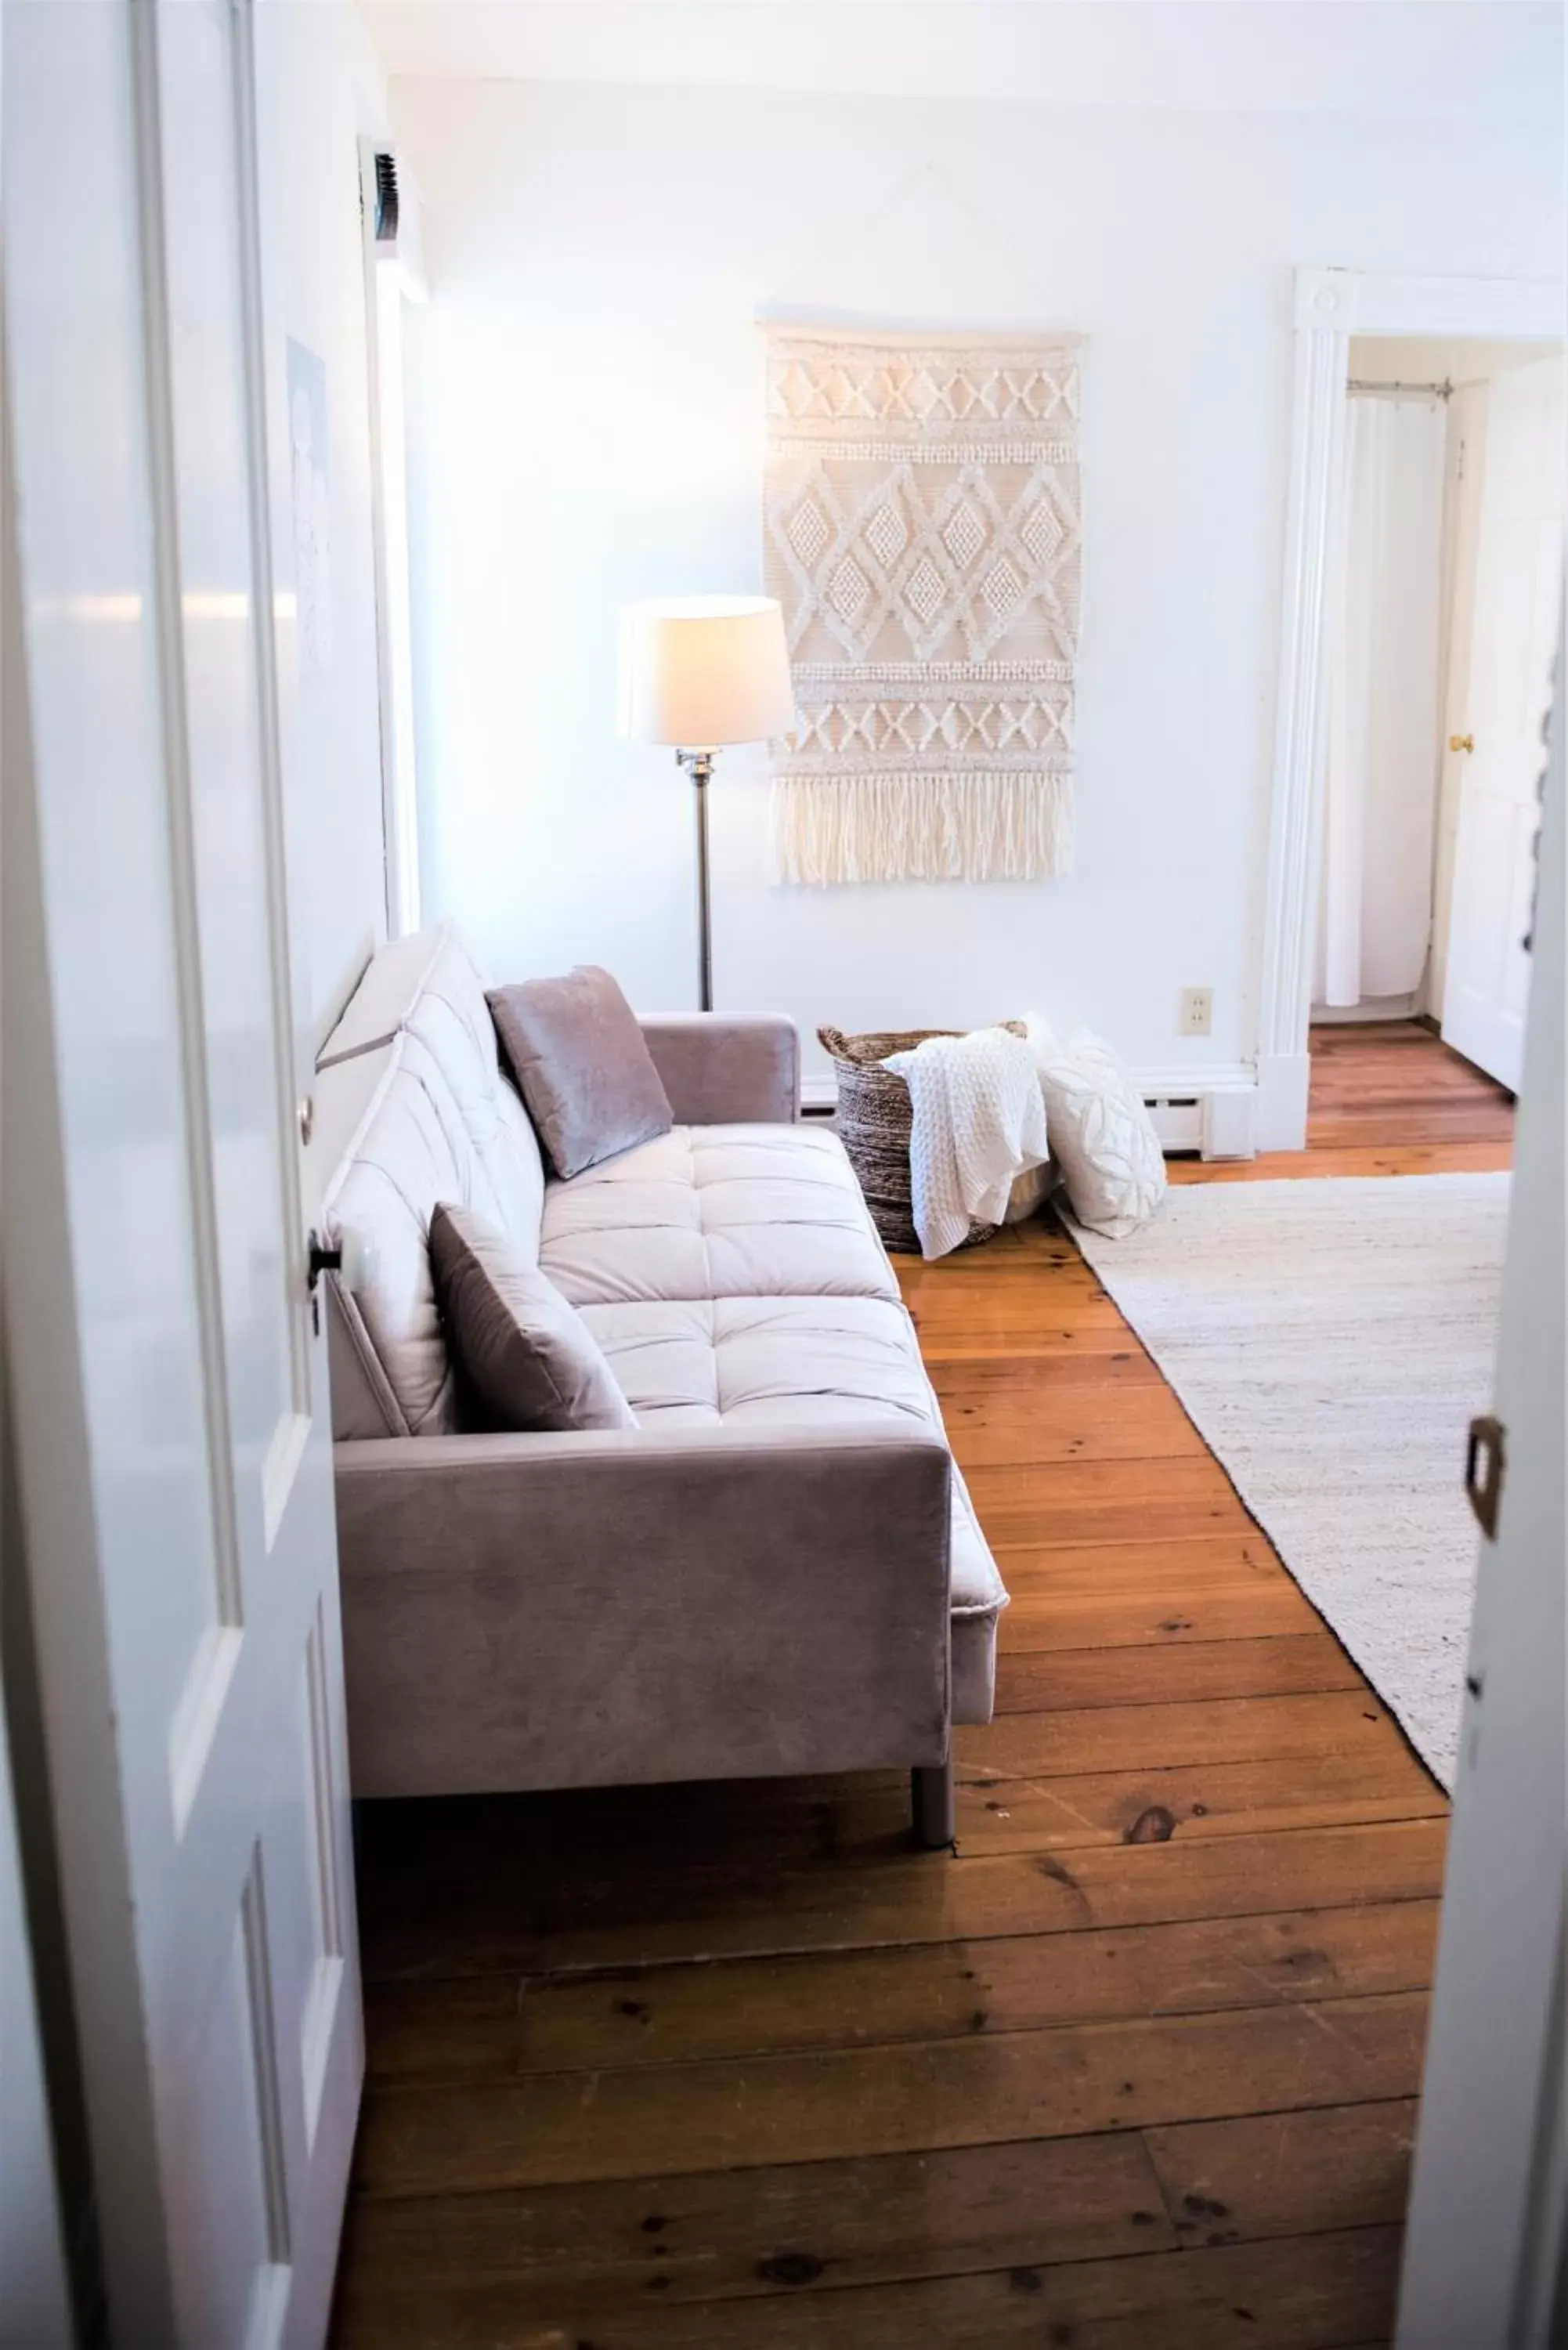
(1197, 1012)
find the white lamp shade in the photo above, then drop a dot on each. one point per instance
(703, 671)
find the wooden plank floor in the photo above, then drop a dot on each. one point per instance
(1135, 2069)
(1388, 1097)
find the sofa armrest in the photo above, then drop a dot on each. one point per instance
(592, 1609)
(727, 1069)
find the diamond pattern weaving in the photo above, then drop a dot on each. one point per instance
(922, 533)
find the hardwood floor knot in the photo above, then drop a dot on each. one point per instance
(791, 2268)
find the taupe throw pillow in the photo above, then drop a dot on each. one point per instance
(582, 1066)
(525, 1357)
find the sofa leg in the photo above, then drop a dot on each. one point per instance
(933, 1794)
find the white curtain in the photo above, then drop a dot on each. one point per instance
(1381, 795)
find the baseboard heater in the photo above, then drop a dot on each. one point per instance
(1177, 1121)
(1211, 1116)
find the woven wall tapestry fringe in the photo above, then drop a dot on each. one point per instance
(922, 529)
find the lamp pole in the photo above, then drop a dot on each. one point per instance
(699, 764)
(710, 671)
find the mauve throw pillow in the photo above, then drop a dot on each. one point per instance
(525, 1357)
(582, 1066)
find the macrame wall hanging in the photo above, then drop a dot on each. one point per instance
(922, 534)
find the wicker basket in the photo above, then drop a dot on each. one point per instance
(875, 1116)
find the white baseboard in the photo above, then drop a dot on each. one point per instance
(1284, 1081)
(1212, 1110)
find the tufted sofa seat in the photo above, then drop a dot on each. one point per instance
(778, 1570)
(715, 1211)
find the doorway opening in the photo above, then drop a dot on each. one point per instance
(1438, 673)
(1332, 307)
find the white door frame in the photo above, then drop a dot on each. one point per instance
(394, 273)
(1331, 306)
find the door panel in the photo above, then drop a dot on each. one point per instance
(211, 450)
(318, 1913)
(1501, 689)
(231, 2239)
(203, 1802)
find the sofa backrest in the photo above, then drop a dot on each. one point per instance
(440, 1122)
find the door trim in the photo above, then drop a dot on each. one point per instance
(1332, 304)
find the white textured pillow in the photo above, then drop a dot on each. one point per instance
(1101, 1134)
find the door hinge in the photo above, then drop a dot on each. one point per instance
(1484, 1486)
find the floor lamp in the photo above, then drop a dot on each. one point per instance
(702, 672)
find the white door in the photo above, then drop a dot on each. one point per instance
(34, 2292)
(1489, 2205)
(170, 1387)
(1500, 689)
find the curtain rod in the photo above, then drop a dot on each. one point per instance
(1444, 390)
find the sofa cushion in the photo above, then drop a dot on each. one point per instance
(440, 1122)
(363, 1403)
(759, 1363)
(523, 1356)
(582, 1066)
(716, 1212)
(977, 1587)
(389, 986)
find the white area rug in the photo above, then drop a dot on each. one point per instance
(1331, 1339)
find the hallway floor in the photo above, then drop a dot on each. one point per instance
(707, 2066)
(1388, 1097)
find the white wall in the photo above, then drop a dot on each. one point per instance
(320, 86)
(584, 428)
(1461, 59)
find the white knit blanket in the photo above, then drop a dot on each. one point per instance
(979, 1124)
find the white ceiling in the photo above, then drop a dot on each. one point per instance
(1496, 60)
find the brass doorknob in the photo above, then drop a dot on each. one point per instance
(1461, 742)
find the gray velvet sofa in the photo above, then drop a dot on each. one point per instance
(777, 1571)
